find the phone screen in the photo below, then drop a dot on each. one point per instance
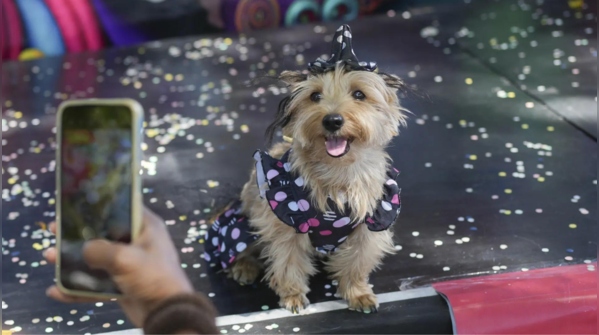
(96, 189)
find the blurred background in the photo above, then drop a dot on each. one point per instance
(33, 29)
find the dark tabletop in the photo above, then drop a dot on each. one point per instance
(497, 175)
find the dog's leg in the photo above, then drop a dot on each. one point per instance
(247, 266)
(352, 264)
(289, 265)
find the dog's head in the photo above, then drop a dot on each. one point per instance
(338, 113)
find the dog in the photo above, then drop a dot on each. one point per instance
(341, 120)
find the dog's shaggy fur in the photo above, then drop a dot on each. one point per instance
(357, 179)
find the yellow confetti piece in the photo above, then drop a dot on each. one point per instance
(287, 139)
(37, 150)
(508, 212)
(37, 246)
(201, 241)
(18, 115)
(168, 77)
(51, 202)
(230, 60)
(8, 104)
(144, 146)
(141, 51)
(576, 4)
(245, 128)
(473, 157)
(212, 183)
(6, 332)
(572, 225)
(137, 85)
(11, 181)
(210, 85)
(205, 122)
(42, 225)
(125, 81)
(463, 122)
(508, 191)
(525, 126)
(541, 179)
(228, 41)
(550, 128)
(502, 174)
(182, 217)
(179, 77)
(469, 81)
(511, 95)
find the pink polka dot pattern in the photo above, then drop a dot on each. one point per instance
(303, 205)
(280, 196)
(304, 227)
(289, 196)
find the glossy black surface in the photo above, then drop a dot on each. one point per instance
(465, 213)
(417, 316)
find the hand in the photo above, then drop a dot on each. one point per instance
(147, 272)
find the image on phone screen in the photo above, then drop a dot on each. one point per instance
(96, 183)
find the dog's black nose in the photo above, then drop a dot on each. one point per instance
(333, 122)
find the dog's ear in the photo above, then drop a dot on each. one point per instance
(393, 81)
(398, 85)
(282, 118)
(292, 78)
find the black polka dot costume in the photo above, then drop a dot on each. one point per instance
(290, 200)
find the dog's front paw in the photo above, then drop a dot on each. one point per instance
(295, 303)
(366, 303)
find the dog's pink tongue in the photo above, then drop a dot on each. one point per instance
(336, 146)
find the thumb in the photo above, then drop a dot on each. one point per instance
(114, 258)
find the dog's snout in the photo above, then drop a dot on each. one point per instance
(333, 122)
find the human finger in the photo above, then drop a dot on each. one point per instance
(52, 227)
(50, 255)
(114, 258)
(55, 293)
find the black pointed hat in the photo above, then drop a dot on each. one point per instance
(342, 52)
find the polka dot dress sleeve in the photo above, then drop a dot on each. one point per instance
(229, 235)
(284, 191)
(389, 208)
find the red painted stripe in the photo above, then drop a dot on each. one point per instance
(560, 300)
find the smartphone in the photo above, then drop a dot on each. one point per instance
(98, 186)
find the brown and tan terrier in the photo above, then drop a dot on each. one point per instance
(341, 115)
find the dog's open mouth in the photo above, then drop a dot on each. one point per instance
(337, 146)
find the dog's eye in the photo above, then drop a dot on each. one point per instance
(358, 95)
(316, 96)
